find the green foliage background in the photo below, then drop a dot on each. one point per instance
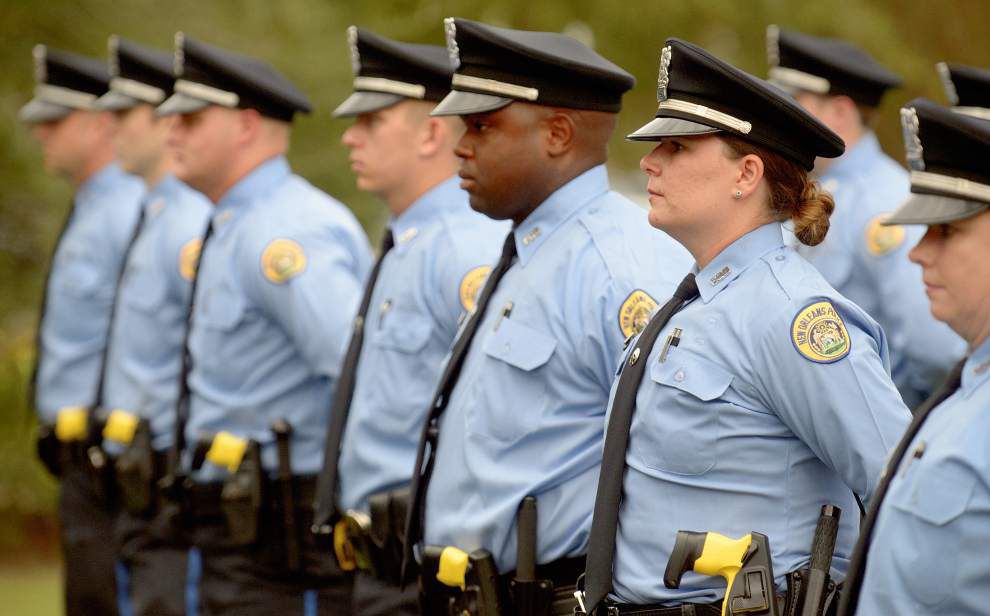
(306, 40)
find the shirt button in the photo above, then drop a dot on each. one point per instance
(634, 356)
(507, 347)
(780, 257)
(679, 375)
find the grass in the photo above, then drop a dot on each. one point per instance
(34, 590)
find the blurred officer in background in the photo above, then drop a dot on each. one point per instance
(76, 139)
(923, 546)
(523, 393)
(758, 393)
(967, 88)
(435, 256)
(866, 261)
(278, 283)
(144, 359)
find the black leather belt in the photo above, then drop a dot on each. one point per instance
(685, 609)
(203, 500)
(563, 572)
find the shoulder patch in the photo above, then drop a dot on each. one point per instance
(881, 239)
(471, 285)
(819, 334)
(635, 312)
(189, 258)
(282, 260)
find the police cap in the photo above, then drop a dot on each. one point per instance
(65, 82)
(967, 88)
(138, 75)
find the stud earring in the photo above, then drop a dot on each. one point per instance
(737, 194)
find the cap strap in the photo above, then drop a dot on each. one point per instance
(390, 86)
(64, 96)
(799, 79)
(707, 113)
(958, 187)
(207, 93)
(138, 90)
(490, 86)
(982, 113)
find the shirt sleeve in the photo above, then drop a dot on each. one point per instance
(838, 400)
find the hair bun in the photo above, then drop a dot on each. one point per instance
(811, 216)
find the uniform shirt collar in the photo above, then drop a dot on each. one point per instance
(431, 205)
(160, 195)
(100, 182)
(736, 258)
(855, 159)
(249, 187)
(976, 371)
(558, 207)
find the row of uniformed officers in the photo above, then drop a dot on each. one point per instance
(202, 379)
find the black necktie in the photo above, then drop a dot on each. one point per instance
(171, 480)
(421, 472)
(601, 544)
(326, 487)
(858, 561)
(32, 386)
(98, 399)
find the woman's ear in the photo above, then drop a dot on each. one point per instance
(749, 173)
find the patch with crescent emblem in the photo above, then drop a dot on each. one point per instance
(471, 285)
(189, 258)
(282, 260)
(819, 334)
(882, 239)
(635, 312)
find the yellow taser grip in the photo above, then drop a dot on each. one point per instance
(227, 450)
(343, 547)
(723, 556)
(121, 426)
(70, 425)
(453, 567)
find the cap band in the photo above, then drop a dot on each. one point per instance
(974, 112)
(707, 113)
(947, 184)
(390, 86)
(136, 89)
(64, 96)
(799, 79)
(207, 93)
(490, 86)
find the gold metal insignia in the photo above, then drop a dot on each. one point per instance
(881, 239)
(471, 285)
(189, 258)
(819, 334)
(282, 259)
(635, 312)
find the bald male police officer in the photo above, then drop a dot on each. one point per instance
(435, 257)
(279, 280)
(75, 312)
(144, 357)
(519, 409)
(841, 85)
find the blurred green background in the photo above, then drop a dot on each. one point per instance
(306, 40)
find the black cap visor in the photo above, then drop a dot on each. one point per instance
(39, 111)
(365, 102)
(459, 102)
(663, 127)
(116, 101)
(927, 209)
(179, 103)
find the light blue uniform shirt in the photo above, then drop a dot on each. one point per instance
(868, 264)
(442, 256)
(929, 549)
(278, 286)
(81, 288)
(739, 430)
(145, 355)
(527, 414)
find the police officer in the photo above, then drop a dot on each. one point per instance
(140, 386)
(967, 88)
(864, 260)
(75, 312)
(760, 393)
(523, 392)
(279, 279)
(922, 548)
(436, 255)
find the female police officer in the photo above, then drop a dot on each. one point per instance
(767, 394)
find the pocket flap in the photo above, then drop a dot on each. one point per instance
(941, 491)
(692, 374)
(519, 345)
(404, 334)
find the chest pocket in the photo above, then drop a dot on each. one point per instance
(222, 308)
(678, 414)
(142, 289)
(933, 493)
(512, 391)
(404, 331)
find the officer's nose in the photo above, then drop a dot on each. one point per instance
(924, 251)
(349, 138)
(41, 131)
(650, 164)
(462, 149)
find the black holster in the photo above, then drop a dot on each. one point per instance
(49, 449)
(242, 496)
(136, 472)
(796, 581)
(482, 594)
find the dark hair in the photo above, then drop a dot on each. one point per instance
(793, 195)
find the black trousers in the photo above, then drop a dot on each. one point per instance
(88, 547)
(156, 555)
(373, 597)
(254, 580)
